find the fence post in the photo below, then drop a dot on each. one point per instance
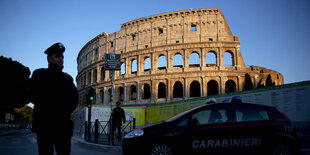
(89, 131)
(134, 123)
(96, 130)
(85, 133)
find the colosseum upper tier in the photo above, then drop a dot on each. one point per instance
(168, 57)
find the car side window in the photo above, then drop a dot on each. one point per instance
(202, 116)
(211, 116)
(250, 113)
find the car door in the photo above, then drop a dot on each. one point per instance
(207, 130)
(252, 128)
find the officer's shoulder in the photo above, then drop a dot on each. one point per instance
(40, 71)
(67, 75)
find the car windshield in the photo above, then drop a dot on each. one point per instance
(181, 114)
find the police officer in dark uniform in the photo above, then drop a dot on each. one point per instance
(55, 97)
(118, 117)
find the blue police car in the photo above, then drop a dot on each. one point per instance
(218, 128)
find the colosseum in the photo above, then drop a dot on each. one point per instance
(168, 57)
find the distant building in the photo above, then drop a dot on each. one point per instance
(169, 57)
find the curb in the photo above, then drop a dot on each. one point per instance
(104, 148)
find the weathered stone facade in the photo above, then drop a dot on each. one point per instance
(168, 57)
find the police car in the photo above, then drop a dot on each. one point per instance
(217, 128)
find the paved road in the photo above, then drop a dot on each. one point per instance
(22, 142)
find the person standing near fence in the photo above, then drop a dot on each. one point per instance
(118, 118)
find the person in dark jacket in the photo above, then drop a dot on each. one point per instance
(55, 97)
(118, 117)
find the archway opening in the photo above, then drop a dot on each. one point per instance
(195, 89)
(121, 93)
(213, 88)
(194, 60)
(134, 66)
(101, 95)
(161, 90)
(211, 59)
(147, 64)
(177, 60)
(161, 62)
(228, 59)
(123, 69)
(146, 91)
(102, 75)
(230, 86)
(133, 92)
(178, 90)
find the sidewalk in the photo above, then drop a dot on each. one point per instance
(104, 148)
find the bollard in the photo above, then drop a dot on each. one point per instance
(85, 133)
(89, 131)
(96, 131)
(134, 123)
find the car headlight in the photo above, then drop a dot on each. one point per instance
(135, 133)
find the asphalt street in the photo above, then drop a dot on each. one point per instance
(22, 142)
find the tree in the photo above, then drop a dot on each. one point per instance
(248, 85)
(14, 82)
(269, 82)
(260, 85)
(25, 112)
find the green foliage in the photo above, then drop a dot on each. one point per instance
(14, 81)
(269, 82)
(25, 112)
(248, 85)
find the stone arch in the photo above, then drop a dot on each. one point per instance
(161, 63)
(121, 93)
(147, 64)
(211, 59)
(102, 74)
(133, 92)
(195, 89)
(161, 90)
(101, 95)
(89, 78)
(178, 90)
(212, 88)
(178, 60)
(95, 76)
(228, 58)
(84, 80)
(146, 91)
(109, 97)
(194, 59)
(230, 86)
(134, 66)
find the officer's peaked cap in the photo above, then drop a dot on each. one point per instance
(57, 48)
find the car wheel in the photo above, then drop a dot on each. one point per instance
(161, 149)
(282, 149)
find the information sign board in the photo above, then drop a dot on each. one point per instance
(112, 61)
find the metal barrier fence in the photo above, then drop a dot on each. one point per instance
(100, 131)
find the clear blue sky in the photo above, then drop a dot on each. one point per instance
(273, 33)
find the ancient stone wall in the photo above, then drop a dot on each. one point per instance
(168, 57)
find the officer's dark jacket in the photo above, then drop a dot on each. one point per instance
(54, 96)
(118, 116)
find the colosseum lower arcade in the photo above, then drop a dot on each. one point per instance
(169, 57)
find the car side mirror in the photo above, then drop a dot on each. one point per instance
(192, 123)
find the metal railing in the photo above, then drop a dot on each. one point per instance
(100, 131)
